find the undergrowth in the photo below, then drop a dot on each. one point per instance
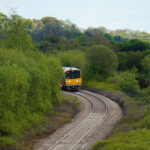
(133, 130)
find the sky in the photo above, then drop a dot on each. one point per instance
(112, 14)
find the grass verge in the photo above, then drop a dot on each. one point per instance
(133, 130)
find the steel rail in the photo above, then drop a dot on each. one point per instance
(52, 146)
(105, 113)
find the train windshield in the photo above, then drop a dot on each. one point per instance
(73, 74)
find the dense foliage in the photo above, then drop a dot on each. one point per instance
(29, 83)
(29, 87)
(102, 61)
(73, 58)
(32, 53)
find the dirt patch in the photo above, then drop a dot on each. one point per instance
(62, 114)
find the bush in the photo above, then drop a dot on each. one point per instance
(134, 140)
(127, 82)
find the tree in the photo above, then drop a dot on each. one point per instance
(50, 20)
(3, 19)
(135, 45)
(146, 68)
(102, 61)
(74, 58)
(53, 39)
(37, 34)
(146, 93)
(134, 60)
(82, 40)
(97, 36)
(17, 33)
(49, 44)
(122, 59)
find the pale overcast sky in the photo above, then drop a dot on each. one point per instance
(112, 14)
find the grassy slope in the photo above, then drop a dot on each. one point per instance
(133, 131)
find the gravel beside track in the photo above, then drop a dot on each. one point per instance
(95, 121)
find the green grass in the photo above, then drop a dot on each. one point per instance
(133, 130)
(133, 140)
(101, 85)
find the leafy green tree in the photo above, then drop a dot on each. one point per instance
(30, 25)
(17, 33)
(127, 82)
(52, 26)
(134, 59)
(146, 53)
(146, 68)
(102, 61)
(48, 20)
(97, 36)
(29, 87)
(82, 40)
(74, 58)
(146, 93)
(134, 45)
(37, 34)
(49, 44)
(3, 20)
(53, 39)
(122, 59)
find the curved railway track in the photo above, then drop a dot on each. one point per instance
(72, 140)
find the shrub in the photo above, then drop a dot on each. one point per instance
(136, 139)
(127, 82)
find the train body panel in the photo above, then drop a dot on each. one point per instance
(72, 79)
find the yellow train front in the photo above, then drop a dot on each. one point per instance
(72, 79)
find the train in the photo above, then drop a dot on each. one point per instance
(72, 79)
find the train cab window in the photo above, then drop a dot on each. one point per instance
(73, 74)
(76, 74)
(68, 74)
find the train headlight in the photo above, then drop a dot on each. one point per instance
(78, 80)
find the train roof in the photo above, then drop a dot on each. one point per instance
(69, 68)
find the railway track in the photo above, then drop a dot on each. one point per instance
(72, 140)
